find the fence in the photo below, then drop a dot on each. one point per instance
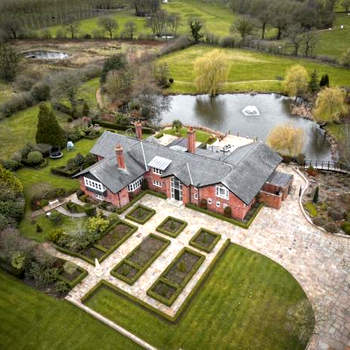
(327, 165)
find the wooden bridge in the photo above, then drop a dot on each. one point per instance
(327, 165)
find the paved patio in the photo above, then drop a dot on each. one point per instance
(319, 261)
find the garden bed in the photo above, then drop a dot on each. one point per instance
(140, 259)
(116, 235)
(73, 275)
(205, 240)
(140, 214)
(175, 277)
(171, 226)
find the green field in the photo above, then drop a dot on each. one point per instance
(201, 136)
(250, 71)
(243, 305)
(32, 320)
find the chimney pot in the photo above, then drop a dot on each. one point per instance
(138, 128)
(191, 140)
(120, 156)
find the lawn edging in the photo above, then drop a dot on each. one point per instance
(183, 307)
(141, 270)
(224, 218)
(169, 233)
(201, 247)
(179, 287)
(151, 213)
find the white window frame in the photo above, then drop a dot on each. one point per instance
(218, 204)
(210, 201)
(94, 184)
(157, 183)
(99, 197)
(135, 184)
(221, 192)
(195, 196)
(157, 171)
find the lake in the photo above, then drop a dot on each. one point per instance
(225, 113)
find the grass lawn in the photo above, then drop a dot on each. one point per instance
(201, 136)
(250, 71)
(32, 320)
(5, 91)
(242, 305)
(334, 42)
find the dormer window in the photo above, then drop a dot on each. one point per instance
(157, 171)
(222, 192)
(94, 185)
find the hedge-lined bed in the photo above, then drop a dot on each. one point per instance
(175, 277)
(140, 259)
(244, 224)
(171, 226)
(140, 214)
(72, 279)
(205, 240)
(116, 235)
(94, 292)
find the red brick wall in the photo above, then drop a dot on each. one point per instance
(150, 177)
(271, 200)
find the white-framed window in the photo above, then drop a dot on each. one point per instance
(218, 204)
(157, 171)
(135, 185)
(94, 184)
(99, 197)
(195, 196)
(221, 192)
(210, 201)
(157, 183)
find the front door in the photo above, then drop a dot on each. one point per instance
(176, 189)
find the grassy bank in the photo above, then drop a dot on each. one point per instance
(250, 71)
(243, 305)
(32, 320)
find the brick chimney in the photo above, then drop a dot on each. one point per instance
(191, 140)
(138, 128)
(120, 157)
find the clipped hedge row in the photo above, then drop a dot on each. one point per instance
(179, 287)
(107, 252)
(77, 280)
(62, 171)
(150, 213)
(183, 307)
(141, 269)
(224, 218)
(199, 246)
(116, 126)
(170, 233)
(138, 197)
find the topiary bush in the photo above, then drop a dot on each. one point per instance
(34, 157)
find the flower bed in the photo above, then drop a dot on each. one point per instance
(140, 259)
(171, 226)
(175, 277)
(205, 240)
(140, 214)
(72, 276)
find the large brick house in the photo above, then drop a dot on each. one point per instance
(186, 174)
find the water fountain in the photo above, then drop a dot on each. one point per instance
(251, 111)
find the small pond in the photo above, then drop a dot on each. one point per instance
(45, 55)
(226, 114)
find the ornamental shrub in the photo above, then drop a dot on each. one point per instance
(228, 212)
(346, 227)
(97, 225)
(56, 218)
(331, 227)
(89, 210)
(55, 235)
(34, 157)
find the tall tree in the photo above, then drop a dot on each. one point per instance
(119, 85)
(115, 62)
(330, 105)
(296, 81)
(244, 25)
(211, 71)
(260, 9)
(145, 8)
(158, 22)
(9, 60)
(108, 24)
(294, 36)
(72, 29)
(287, 140)
(346, 5)
(48, 130)
(130, 29)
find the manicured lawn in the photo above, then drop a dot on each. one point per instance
(334, 42)
(250, 71)
(201, 136)
(32, 320)
(242, 305)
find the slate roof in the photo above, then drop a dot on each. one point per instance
(243, 172)
(279, 179)
(159, 163)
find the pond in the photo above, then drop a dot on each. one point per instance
(46, 55)
(247, 115)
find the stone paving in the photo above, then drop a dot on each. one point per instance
(320, 262)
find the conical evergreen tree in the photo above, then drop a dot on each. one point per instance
(48, 130)
(315, 198)
(313, 84)
(86, 110)
(324, 81)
